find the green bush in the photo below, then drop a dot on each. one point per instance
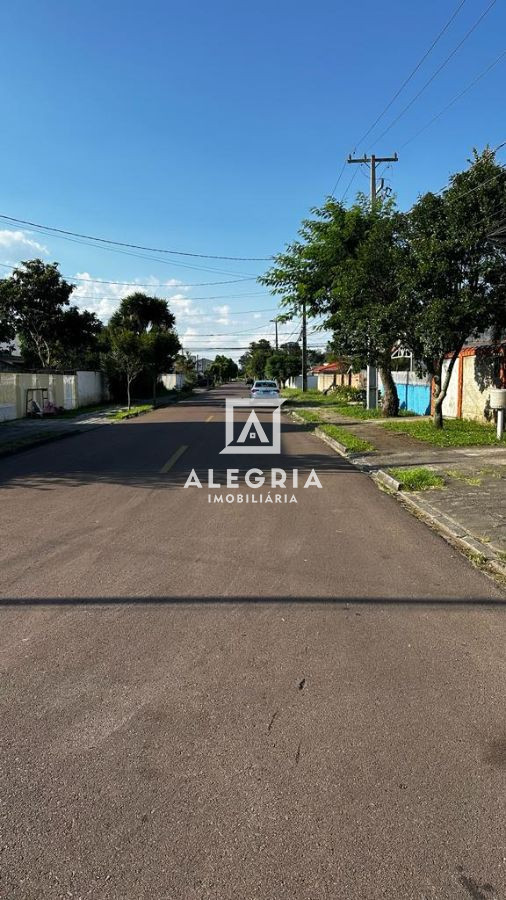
(346, 394)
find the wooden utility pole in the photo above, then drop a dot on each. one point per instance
(304, 346)
(372, 160)
(276, 323)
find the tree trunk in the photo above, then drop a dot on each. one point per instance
(390, 401)
(441, 387)
(128, 392)
(154, 391)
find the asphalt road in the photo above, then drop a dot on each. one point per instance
(239, 701)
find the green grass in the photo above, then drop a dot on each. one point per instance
(346, 438)
(473, 480)
(296, 397)
(417, 479)
(311, 416)
(455, 433)
(332, 402)
(130, 413)
(357, 411)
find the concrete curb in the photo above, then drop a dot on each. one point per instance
(387, 480)
(336, 445)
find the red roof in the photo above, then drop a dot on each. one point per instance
(340, 367)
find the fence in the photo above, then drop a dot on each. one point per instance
(413, 392)
(68, 390)
(173, 381)
(312, 382)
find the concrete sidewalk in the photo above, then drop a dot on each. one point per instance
(472, 502)
(31, 430)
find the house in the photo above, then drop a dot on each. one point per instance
(338, 374)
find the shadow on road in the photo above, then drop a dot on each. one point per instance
(344, 603)
(134, 453)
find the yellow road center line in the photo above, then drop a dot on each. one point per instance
(209, 418)
(174, 458)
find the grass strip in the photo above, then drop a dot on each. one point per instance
(417, 479)
(131, 413)
(346, 438)
(455, 433)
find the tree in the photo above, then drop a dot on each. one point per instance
(456, 277)
(125, 355)
(150, 319)
(33, 300)
(346, 267)
(7, 330)
(159, 349)
(255, 359)
(284, 364)
(223, 368)
(141, 313)
(76, 339)
(185, 365)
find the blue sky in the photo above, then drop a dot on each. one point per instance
(215, 127)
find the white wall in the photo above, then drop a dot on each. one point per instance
(172, 381)
(90, 388)
(312, 382)
(450, 401)
(69, 391)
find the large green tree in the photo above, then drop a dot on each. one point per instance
(34, 303)
(346, 267)
(223, 369)
(254, 361)
(455, 279)
(284, 363)
(141, 313)
(153, 342)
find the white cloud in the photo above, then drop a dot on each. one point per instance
(104, 299)
(223, 314)
(13, 240)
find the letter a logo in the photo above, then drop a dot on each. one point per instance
(253, 430)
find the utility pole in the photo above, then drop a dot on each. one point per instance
(276, 323)
(304, 346)
(372, 160)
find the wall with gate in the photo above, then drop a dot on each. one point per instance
(413, 392)
(67, 390)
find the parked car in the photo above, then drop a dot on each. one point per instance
(264, 390)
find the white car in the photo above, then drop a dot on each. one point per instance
(265, 390)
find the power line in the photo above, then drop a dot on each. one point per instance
(438, 70)
(454, 100)
(89, 237)
(412, 73)
(157, 259)
(78, 296)
(352, 179)
(398, 92)
(150, 285)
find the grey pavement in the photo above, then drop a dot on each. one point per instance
(234, 700)
(20, 429)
